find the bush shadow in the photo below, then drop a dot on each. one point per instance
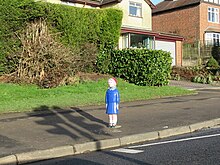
(74, 123)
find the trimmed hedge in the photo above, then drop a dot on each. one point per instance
(80, 25)
(75, 26)
(141, 66)
(13, 17)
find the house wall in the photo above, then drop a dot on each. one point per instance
(144, 22)
(183, 22)
(179, 53)
(72, 4)
(204, 19)
(120, 42)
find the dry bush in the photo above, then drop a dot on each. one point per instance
(48, 63)
(88, 56)
(43, 60)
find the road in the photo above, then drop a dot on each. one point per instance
(199, 148)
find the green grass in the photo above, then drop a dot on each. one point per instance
(21, 98)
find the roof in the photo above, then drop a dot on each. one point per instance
(88, 2)
(103, 2)
(150, 3)
(167, 5)
(212, 29)
(157, 35)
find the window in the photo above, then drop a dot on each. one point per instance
(125, 41)
(212, 39)
(216, 1)
(213, 1)
(213, 15)
(137, 41)
(135, 9)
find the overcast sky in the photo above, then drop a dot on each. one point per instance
(156, 1)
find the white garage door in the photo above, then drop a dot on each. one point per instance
(167, 46)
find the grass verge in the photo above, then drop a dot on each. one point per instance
(21, 98)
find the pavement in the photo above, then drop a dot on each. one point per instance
(56, 132)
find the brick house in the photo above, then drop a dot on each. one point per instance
(136, 30)
(195, 20)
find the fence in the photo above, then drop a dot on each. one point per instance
(196, 54)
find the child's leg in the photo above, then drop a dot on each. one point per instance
(115, 119)
(110, 119)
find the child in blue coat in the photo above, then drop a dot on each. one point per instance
(112, 100)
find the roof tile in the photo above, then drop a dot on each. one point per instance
(173, 4)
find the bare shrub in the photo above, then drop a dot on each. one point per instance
(43, 60)
(88, 56)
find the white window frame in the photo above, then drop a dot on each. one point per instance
(213, 15)
(216, 1)
(127, 40)
(137, 7)
(213, 1)
(212, 39)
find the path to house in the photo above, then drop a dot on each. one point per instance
(56, 132)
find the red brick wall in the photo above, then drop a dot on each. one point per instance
(184, 22)
(190, 23)
(179, 53)
(204, 19)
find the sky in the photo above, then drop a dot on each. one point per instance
(156, 1)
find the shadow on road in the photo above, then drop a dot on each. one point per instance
(89, 116)
(66, 161)
(123, 158)
(74, 123)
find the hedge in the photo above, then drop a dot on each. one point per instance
(141, 66)
(75, 26)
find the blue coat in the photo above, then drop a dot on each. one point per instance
(112, 100)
